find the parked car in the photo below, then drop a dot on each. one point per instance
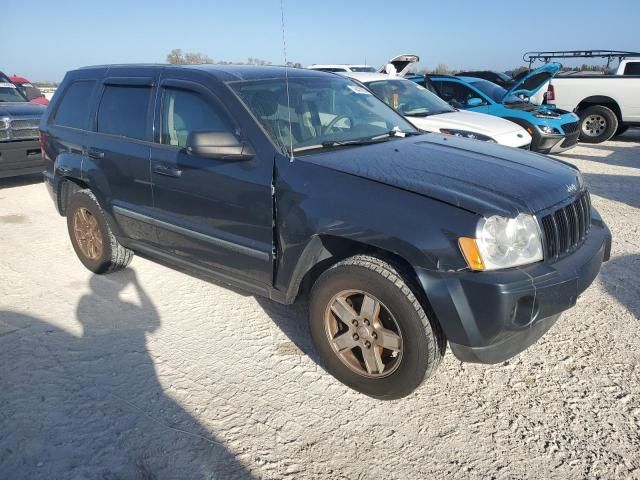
(337, 67)
(401, 65)
(30, 91)
(607, 104)
(499, 78)
(19, 148)
(552, 129)
(430, 113)
(307, 184)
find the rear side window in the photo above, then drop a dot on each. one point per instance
(123, 111)
(75, 105)
(184, 112)
(632, 68)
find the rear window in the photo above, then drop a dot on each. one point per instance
(75, 105)
(123, 111)
(632, 68)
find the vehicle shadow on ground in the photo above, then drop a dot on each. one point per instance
(618, 157)
(21, 181)
(292, 320)
(620, 277)
(91, 406)
(620, 188)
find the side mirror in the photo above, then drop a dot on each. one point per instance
(475, 102)
(220, 145)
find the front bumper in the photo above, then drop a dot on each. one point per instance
(554, 143)
(20, 158)
(488, 317)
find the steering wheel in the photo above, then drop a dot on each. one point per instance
(333, 122)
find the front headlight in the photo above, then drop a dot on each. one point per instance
(467, 134)
(503, 243)
(549, 130)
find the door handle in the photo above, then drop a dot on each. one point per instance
(93, 153)
(167, 171)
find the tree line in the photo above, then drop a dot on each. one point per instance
(178, 57)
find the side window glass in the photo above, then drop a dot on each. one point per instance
(123, 111)
(75, 105)
(632, 68)
(456, 93)
(184, 112)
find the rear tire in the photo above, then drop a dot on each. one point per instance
(405, 344)
(597, 124)
(92, 239)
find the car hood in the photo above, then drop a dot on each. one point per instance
(20, 109)
(534, 80)
(465, 120)
(481, 177)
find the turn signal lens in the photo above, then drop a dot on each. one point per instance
(471, 253)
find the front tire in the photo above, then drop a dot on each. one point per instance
(92, 239)
(597, 124)
(370, 329)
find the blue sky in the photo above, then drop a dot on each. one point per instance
(50, 37)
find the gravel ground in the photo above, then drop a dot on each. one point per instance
(152, 373)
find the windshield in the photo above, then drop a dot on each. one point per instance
(324, 111)
(9, 93)
(29, 91)
(409, 98)
(495, 92)
(504, 77)
(363, 69)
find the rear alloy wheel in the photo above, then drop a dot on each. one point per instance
(92, 239)
(371, 331)
(597, 124)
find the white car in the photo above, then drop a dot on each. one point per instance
(430, 113)
(342, 68)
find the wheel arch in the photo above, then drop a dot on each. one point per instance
(323, 251)
(603, 100)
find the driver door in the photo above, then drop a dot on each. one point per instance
(212, 212)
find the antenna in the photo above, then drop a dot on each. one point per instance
(286, 79)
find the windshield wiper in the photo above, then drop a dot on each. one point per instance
(358, 141)
(427, 114)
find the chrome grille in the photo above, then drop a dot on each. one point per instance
(24, 133)
(19, 128)
(567, 227)
(27, 123)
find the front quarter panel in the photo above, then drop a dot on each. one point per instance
(315, 202)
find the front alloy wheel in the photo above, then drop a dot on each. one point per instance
(370, 329)
(363, 333)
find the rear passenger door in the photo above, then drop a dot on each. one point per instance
(211, 212)
(118, 152)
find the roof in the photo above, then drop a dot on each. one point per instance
(226, 72)
(18, 79)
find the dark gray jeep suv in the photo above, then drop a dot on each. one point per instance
(305, 184)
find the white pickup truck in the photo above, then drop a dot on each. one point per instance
(607, 103)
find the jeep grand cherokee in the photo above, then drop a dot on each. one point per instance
(294, 182)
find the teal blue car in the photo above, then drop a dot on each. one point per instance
(552, 130)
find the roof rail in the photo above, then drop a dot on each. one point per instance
(531, 57)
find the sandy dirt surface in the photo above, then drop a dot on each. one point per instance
(152, 373)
